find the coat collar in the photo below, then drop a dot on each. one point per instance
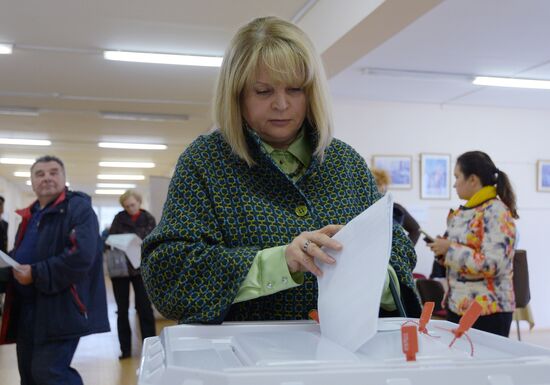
(261, 155)
(26, 213)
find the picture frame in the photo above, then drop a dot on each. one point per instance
(543, 175)
(399, 167)
(435, 176)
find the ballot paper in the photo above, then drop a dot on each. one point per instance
(350, 289)
(7, 261)
(130, 244)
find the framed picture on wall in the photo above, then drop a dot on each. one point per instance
(435, 176)
(543, 175)
(398, 166)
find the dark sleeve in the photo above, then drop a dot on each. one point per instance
(4, 236)
(438, 270)
(189, 273)
(410, 225)
(60, 271)
(150, 223)
(116, 226)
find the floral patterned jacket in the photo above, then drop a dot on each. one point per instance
(480, 259)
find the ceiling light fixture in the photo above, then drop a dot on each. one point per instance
(6, 49)
(512, 82)
(127, 164)
(120, 177)
(19, 111)
(132, 146)
(477, 80)
(25, 142)
(160, 58)
(22, 174)
(144, 117)
(17, 161)
(109, 192)
(116, 185)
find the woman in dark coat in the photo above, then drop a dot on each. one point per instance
(135, 220)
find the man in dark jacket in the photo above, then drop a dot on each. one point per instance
(3, 228)
(58, 293)
(4, 248)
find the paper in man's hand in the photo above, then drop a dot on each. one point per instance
(7, 261)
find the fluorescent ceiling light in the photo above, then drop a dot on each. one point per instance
(512, 82)
(160, 58)
(116, 185)
(132, 146)
(6, 49)
(25, 142)
(144, 117)
(120, 177)
(127, 164)
(19, 111)
(22, 174)
(16, 161)
(109, 192)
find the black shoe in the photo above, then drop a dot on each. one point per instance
(124, 355)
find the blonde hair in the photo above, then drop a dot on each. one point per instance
(382, 177)
(287, 53)
(128, 194)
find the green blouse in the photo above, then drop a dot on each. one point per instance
(269, 271)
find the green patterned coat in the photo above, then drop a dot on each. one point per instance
(220, 212)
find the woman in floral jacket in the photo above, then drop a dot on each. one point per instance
(478, 251)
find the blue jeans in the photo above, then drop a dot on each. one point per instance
(46, 363)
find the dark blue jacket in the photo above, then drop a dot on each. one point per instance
(68, 275)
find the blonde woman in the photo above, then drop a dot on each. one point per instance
(133, 219)
(252, 204)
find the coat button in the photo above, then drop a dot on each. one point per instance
(301, 210)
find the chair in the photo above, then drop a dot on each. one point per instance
(432, 290)
(419, 276)
(521, 285)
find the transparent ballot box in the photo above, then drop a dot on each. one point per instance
(294, 353)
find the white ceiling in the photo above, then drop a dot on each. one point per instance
(434, 59)
(57, 64)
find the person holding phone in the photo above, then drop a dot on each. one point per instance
(479, 248)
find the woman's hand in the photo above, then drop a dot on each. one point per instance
(303, 249)
(440, 246)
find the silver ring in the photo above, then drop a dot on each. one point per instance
(306, 245)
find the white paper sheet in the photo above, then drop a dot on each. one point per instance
(130, 244)
(350, 289)
(7, 261)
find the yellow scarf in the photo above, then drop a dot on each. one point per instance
(486, 193)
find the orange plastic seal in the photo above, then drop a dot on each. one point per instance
(468, 319)
(314, 315)
(425, 316)
(409, 341)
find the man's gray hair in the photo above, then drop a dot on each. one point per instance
(49, 158)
